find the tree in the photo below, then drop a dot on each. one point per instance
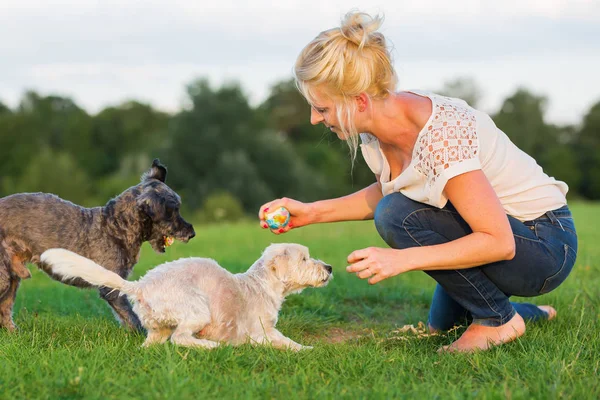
(561, 160)
(587, 146)
(59, 124)
(521, 117)
(462, 88)
(4, 109)
(129, 129)
(288, 113)
(220, 143)
(52, 172)
(19, 142)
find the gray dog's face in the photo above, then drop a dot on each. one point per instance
(162, 206)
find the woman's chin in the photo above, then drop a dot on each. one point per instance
(339, 134)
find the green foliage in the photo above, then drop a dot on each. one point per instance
(588, 150)
(463, 88)
(521, 117)
(220, 142)
(131, 128)
(4, 109)
(288, 113)
(220, 207)
(59, 124)
(129, 172)
(52, 172)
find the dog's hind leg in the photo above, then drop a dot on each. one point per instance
(157, 336)
(19, 268)
(122, 308)
(184, 336)
(8, 290)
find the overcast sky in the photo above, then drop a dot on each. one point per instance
(103, 52)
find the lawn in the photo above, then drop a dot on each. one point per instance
(70, 346)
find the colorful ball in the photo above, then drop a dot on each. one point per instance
(278, 218)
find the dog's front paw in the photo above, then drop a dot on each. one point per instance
(300, 348)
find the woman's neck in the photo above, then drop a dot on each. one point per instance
(397, 120)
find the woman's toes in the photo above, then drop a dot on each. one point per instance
(551, 311)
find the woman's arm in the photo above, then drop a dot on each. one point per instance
(359, 206)
(492, 240)
(356, 206)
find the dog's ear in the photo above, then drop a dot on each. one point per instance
(146, 208)
(279, 259)
(156, 171)
(146, 204)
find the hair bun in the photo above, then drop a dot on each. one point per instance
(357, 28)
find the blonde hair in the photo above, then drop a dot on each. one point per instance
(345, 62)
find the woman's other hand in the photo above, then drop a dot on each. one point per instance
(377, 264)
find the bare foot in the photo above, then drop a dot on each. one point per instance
(551, 311)
(479, 337)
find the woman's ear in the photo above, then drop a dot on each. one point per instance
(362, 102)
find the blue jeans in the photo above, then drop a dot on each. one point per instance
(546, 249)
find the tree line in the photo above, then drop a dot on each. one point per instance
(227, 157)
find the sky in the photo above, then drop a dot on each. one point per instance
(101, 53)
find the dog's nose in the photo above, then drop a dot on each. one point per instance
(192, 235)
(328, 268)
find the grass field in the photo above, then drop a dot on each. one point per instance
(69, 345)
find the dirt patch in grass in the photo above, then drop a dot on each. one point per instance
(337, 335)
(380, 312)
(341, 335)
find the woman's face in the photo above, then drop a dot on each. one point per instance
(324, 111)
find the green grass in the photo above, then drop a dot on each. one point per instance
(69, 345)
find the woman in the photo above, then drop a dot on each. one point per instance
(454, 196)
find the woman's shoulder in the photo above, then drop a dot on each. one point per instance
(441, 103)
(447, 111)
(418, 107)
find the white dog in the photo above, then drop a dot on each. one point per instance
(195, 302)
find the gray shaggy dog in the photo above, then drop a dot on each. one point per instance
(31, 223)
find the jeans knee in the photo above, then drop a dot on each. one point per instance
(389, 218)
(382, 216)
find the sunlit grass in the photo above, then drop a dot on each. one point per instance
(69, 345)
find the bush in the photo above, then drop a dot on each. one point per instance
(220, 207)
(52, 172)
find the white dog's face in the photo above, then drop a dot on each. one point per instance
(292, 265)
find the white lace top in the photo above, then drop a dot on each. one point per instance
(457, 139)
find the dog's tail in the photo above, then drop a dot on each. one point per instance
(70, 265)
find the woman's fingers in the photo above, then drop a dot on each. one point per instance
(358, 255)
(275, 205)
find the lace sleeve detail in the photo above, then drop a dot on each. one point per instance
(450, 147)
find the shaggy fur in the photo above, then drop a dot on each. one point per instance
(31, 223)
(195, 302)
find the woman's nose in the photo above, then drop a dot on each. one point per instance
(315, 117)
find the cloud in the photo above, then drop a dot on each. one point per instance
(100, 52)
